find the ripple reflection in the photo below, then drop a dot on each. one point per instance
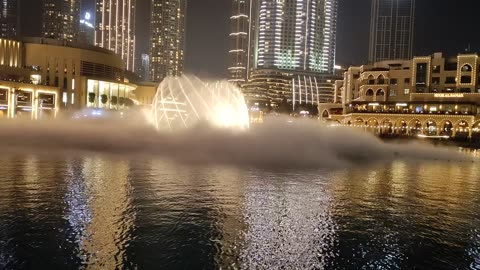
(100, 212)
(289, 223)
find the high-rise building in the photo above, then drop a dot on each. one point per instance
(241, 37)
(115, 28)
(286, 35)
(391, 30)
(87, 30)
(167, 51)
(294, 38)
(9, 19)
(296, 35)
(143, 70)
(61, 19)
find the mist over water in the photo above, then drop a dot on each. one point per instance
(275, 144)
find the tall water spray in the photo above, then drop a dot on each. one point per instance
(181, 102)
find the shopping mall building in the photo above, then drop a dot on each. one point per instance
(42, 77)
(426, 96)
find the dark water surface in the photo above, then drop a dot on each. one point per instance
(101, 213)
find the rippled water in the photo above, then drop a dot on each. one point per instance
(103, 213)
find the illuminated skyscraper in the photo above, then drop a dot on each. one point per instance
(391, 30)
(294, 35)
(61, 19)
(115, 28)
(241, 41)
(167, 51)
(9, 19)
(87, 30)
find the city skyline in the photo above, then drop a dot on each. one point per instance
(208, 50)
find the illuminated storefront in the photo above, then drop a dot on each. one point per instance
(108, 95)
(27, 101)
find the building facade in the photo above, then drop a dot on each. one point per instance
(87, 30)
(61, 19)
(9, 19)
(391, 30)
(295, 35)
(86, 76)
(21, 93)
(424, 96)
(287, 47)
(144, 68)
(241, 40)
(115, 29)
(288, 91)
(167, 30)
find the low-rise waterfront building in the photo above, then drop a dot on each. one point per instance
(21, 94)
(425, 96)
(38, 74)
(87, 76)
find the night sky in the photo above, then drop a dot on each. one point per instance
(441, 25)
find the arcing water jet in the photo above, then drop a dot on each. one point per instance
(181, 102)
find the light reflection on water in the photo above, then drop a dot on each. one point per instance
(100, 213)
(288, 222)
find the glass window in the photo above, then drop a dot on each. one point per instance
(466, 79)
(406, 91)
(450, 80)
(421, 76)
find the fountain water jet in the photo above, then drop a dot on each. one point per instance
(182, 102)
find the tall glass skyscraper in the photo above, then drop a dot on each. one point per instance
(167, 30)
(241, 39)
(9, 19)
(295, 35)
(115, 28)
(391, 30)
(61, 19)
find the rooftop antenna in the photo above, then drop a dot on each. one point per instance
(468, 49)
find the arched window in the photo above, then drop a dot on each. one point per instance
(466, 68)
(371, 79)
(325, 114)
(381, 79)
(369, 93)
(380, 93)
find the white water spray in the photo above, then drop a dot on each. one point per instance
(183, 101)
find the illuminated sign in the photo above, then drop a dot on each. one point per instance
(373, 104)
(449, 95)
(402, 104)
(86, 21)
